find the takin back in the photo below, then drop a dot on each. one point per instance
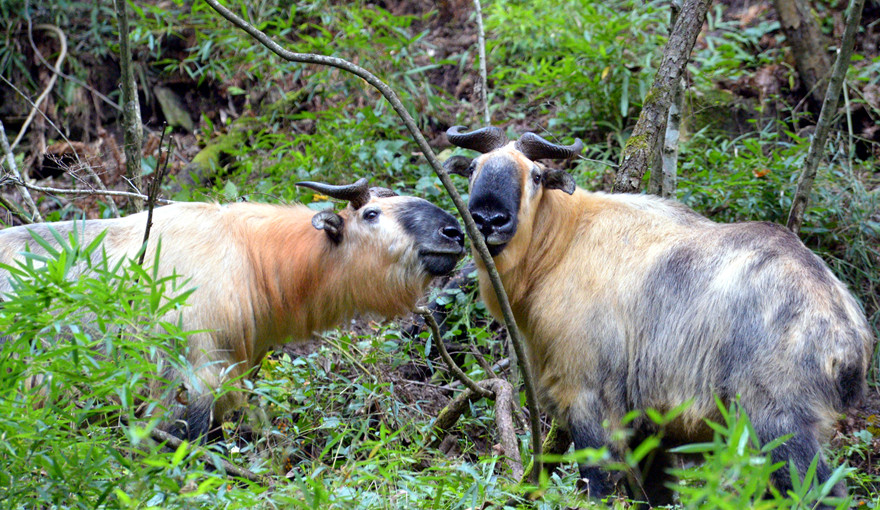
(266, 274)
(629, 302)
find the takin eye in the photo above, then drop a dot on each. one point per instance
(536, 176)
(371, 214)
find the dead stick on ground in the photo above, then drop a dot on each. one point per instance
(171, 441)
(498, 389)
(477, 241)
(502, 392)
(829, 110)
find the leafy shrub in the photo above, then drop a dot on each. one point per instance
(588, 64)
(83, 340)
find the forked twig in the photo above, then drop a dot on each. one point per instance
(453, 367)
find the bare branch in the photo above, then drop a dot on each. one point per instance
(88, 168)
(829, 109)
(153, 191)
(477, 240)
(481, 43)
(57, 70)
(61, 191)
(500, 365)
(453, 367)
(15, 175)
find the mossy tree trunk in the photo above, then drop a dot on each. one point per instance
(640, 146)
(131, 109)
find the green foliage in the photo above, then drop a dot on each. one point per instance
(587, 64)
(741, 179)
(732, 50)
(84, 338)
(736, 471)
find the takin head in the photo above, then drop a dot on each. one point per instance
(506, 183)
(380, 213)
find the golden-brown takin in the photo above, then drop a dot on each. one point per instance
(629, 302)
(265, 274)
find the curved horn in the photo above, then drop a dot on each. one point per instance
(380, 192)
(534, 147)
(482, 140)
(358, 193)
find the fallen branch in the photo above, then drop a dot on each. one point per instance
(502, 392)
(829, 110)
(160, 436)
(477, 241)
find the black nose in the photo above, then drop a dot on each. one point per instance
(453, 233)
(490, 221)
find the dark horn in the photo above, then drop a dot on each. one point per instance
(358, 193)
(379, 192)
(534, 147)
(482, 140)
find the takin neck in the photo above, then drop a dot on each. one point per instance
(536, 249)
(304, 283)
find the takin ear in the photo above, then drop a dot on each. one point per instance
(331, 223)
(460, 165)
(558, 179)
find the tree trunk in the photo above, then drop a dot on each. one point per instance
(131, 110)
(829, 110)
(640, 145)
(807, 46)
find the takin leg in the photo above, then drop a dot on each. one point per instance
(800, 449)
(585, 426)
(655, 478)
(193, 421)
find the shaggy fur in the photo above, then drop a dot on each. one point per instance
(633, 302)
(265, 275)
